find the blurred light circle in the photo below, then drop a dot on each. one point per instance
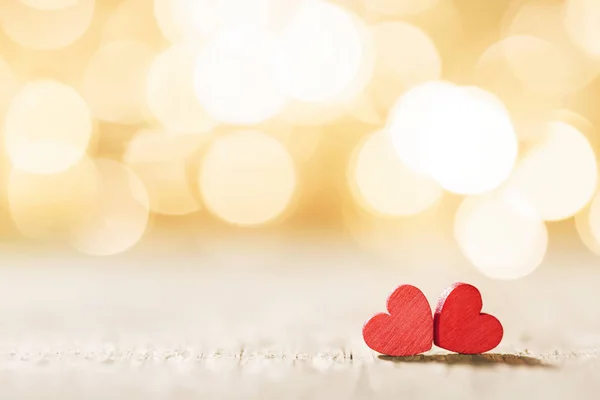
(48, 127)
(234, 77)
(384, 185)
(49, 5)
(541, 65)
(547, 59)
(410, 124)
(399, 8)
(582, 124)
(558, 177)
(114, 83)
(405, 56)
(530, 109)
(170, 92)
(37, 28)
(247, 178)
(119, 215)
(46, 205)
(175, 19)
(321, 53)
(461, 136)
(160, 160)
(584, 228)
(499, 240)
(581, 23)
(193, 20)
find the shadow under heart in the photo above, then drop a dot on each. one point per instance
(478, 360)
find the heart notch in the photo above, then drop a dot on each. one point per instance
(459, 324)
(408, 328)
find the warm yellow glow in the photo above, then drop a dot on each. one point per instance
(38, 28)
(311, 114)
(557, 177)
(234, 77)
(132, 20)
(50, 4)
(301, 141)
(593, 220)
(149, 146)
(247, 178)
(398, 8)
(160, 160)
(499, 240)
(547, 60)
(584, 229)
(114, 82)
(119, 215)
(48, 127)
(405, 56)
(47, 205)
(170, 92)
(192, 20)
(530, 109)
(582, 124)
(402, 239)
(322, 54)
(8, 86)
(581, 22)
(461, 136)
(384, 185)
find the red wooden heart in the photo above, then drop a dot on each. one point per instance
(407, 329)
(460, 326)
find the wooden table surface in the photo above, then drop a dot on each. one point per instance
(279, 325)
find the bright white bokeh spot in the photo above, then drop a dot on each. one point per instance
(405, 56)
(321, 53)
(499, 240)
(557, 177)
(384, 185)
(114, 83)
(234, 77)
(461, 136)
(48, 127)
(170, 92)
(247, 178)
(46, 29)
(119, 215)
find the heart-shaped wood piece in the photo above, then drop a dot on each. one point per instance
(460, 326)
(407, 329)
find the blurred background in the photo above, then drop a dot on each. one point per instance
(404, 127)
(183, 181)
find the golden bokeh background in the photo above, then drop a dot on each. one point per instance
(377, 121)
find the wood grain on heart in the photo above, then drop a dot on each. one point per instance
(460, 326)
(407, 329)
